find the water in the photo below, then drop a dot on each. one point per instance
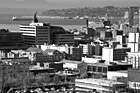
(6, 22)
(15, 27)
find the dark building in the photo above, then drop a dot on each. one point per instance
(90, 32)
(59, 36)
(108, 34)
(119, 32)
(76, 53)
(62, 39)
(49, 55)
(120, 53)
(98, 50)
(82, 41)
(54, 30)
(11, 40)
(91, 49)
(132, 11)
(107, 23)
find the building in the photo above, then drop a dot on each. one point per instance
(54, 30)
(11, 40)
(49, 55)
(134, 59)
(101, 69)
(132, 11)
(76, 53)
(36, 33)
(100, 85)
(133, 42)
(62, 39)
(114, 54)
(93, 59)
(94, 25)
(134, 80)
(72, 64)
(61, 48)
(115, 75)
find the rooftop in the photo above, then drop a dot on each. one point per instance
(71, 61)
(102, 82)
(34, 49)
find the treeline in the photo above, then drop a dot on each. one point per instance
(87, 11)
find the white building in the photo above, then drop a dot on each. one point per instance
(133, 42)
(94, 25)
(114, 54)
(113, 75)
(134, 59)
(107, 54)
(91, 60)
(36, 33)
(85, 48)
(63, 48)
(100, 85)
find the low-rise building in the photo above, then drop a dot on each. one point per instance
(100, 85)
(115, 54)
(100, 70)
(49, 55)
(134, 59)
(134, 80)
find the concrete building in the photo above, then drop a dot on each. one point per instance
(92, 49)
(134, 80)
(114, 75)
(100, 85)
(114, 54)
(94, 25)
(36, 33)
(72, 64)
(133, 42)
(91, 59)
(75, 53)
(101, 69)
(134, 59)
(62, 48)
(49, 55)
(62, 39)
(121, 39)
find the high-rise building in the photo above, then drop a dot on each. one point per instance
(36, 33)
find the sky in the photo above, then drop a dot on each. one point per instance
(55, 4)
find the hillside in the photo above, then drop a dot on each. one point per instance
(87, 11)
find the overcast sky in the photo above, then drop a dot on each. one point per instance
(51, 4)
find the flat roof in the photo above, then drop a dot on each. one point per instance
(71, 61)
(104, 82)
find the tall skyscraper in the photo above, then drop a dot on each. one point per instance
(36, 33)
